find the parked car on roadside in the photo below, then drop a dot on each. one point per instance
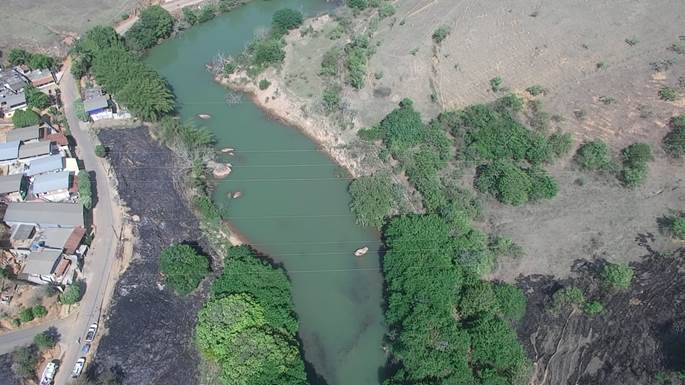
(92, 330)
(49, 373)
(85, 349)
(78, 367)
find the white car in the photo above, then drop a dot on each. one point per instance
(78, 367)
(92, 329)
(49, 373)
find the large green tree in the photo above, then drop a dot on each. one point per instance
(25, 118)
(372, 199)
(155, 23)
(183, 268)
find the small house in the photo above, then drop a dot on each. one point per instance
(49, 163)
(24, 134)
(35, 150)
(53, 187)
(12, 81)
(41, 267)
(37, 77)
(44, 214)
(9, 152)
(11, 101)
(13, 187)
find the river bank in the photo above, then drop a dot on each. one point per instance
(146, 322)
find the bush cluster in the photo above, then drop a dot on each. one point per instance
(19, 56)
(286, 19)
(594, 156)
(635, 159)
(617, 276)
(358, 53)
(183, 268)
(372, 199)
(85, 190)
(674, 141)
(155, 23)
(514, 185)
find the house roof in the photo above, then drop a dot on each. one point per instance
(60, 139)
(42, 262)
(12, 100)
(22, 232)
(50, 182)
(9, 150)
(74, 240)
(10, 183)
(11, 80)
(55, 237)
(60, 214)
(47, 164)
(24, 133)
(95, 103)
(62, 267)
(29, 150)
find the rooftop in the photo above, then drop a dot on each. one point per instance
(31, 150)
(56, 237)
(9, 150)
(44, 183)
(22, 232)
(10, 183)
(58, 214)
(47, 164)
(24, 134)
(95, 103)
(42, 262)
(11, 100)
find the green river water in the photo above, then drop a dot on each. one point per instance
(295, 202)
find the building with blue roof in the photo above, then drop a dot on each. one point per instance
(9, 151)
(47, 164)
(52, 186)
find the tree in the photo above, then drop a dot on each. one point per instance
(189, 15)
(594, 156)
(44, 340)
(207, 13)
(39, 311)
(268, 51)
(635, 158)
(510, 300)
(25, 118)
(24, 362)
(403, 126)
(593, 308)
(358, 4)
(26, 315)
(617, 276)
(85, 190)
(71, 295)
(40, 61)
(233, 332)
(100, 151)
(19, 56)
(372, 199)
(183, 268)
(674, 141)
(36, 98)
(155, 23)
(507, 182)
(440, 34)
(264, 84)
(677, 226)
(286, 19)
(245, 273)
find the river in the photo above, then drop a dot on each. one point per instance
(295, 202)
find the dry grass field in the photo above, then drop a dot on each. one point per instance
(45, 25)
(601, 63)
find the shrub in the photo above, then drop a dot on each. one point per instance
(189, 15)
(402, 127)
(358, 4)
(329, 63)
(635, 158)
(560, 144)
(264, 84)
(678, 227)
(207, 13)
(594, 156)
(286, 19)
(441, 34)
(39, 311)
(331, 98)
(504, 180)
(496, 84)
(183, 268)
(26, 315)
(617, 276)
(674, 141)
(26, 118)
(80, 110)
(268, 51)
(386, 10)
(85, 190)
(372, 199)
(357, 56)
(36, 99)
(18, 56)
(100, 151)
(71, 295)
(593, 308)
(371, 134)
(669, 94)
(543, 186)
(536, 90)
(229, 68)
(568, 296)
(511, 301)
(24, 361)
(44, 340)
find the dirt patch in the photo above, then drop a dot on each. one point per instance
(150, 328)
(640, 333)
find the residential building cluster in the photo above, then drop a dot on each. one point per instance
(13, 82)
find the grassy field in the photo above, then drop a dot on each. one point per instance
(47, 25)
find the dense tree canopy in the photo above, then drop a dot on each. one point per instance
(249, 327)
(286, 19)
(19, 56)
(372, 199)
(25, 118)
(36, 99)
(183, 268)
(155, 23)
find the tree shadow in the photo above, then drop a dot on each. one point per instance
(54, 334)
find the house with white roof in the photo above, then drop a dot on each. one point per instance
(50, 163)
(44, 214)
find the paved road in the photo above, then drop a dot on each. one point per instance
(100, 258)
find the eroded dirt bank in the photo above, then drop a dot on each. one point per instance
(640, 334)
(149, 327)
